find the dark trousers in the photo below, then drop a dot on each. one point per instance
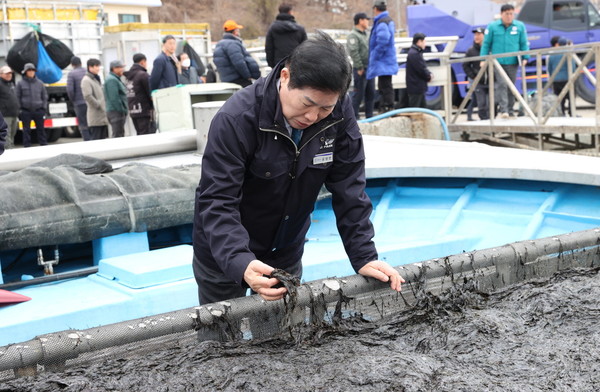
(363, 89)
(117, 123)
(98, 132)
(143, 125)
(38, 117)
(81, 113)
(557, 87)
(417, 101)
(479, 100)
(504, 97)
(386, 92)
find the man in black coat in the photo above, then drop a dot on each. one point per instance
(417, 73)
(283, 36)
(471, 68)
(139, 100)
(270, 149)
(9, 104)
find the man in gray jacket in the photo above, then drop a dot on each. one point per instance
(33, 100)
(357, 45)
(76, 97)
(91, 88)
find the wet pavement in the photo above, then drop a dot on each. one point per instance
(535, 336)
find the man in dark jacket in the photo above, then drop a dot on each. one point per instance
(115, 94)
(33, 100)
(471, 68)
(417, 73)
(138, 96)
(9, 104)
(283, 36)
(357, 45)
(164, 68)
(270, 149)
(234, 63)
(76, 96)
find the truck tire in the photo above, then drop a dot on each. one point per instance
(54, 134)
(585, 90)
(434, 96)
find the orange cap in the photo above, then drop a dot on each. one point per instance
(230, 25)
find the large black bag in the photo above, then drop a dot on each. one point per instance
(22, 52)
(58, 51)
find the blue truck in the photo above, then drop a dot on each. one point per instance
(577, 20)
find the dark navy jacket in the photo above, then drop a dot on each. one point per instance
(257, 190)
(417, 73)
(233, 60)
(164, 72)
(282, 38)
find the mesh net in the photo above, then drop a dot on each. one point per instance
(308, 309)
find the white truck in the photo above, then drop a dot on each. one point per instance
(78, 25)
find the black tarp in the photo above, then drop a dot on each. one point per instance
(59, 204)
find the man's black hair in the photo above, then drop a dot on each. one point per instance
(93, 63)
(166, 38)
(418, 37)
(138, 57)
(75, 61)
(285, 8)
(506, 7)
(320, 63)
(554, 40)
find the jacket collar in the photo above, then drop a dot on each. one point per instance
(286, 17)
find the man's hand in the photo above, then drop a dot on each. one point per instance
(382, 271)
(256, 279)
(524, 62)
(481, 64)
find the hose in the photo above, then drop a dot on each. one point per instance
(409, 110)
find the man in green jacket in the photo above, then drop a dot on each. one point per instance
(115, 93)
(504, 36)
(357, 46)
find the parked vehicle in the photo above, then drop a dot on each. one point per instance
(577, 20)
(77, 25)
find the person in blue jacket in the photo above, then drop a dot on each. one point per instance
(234, 63)
(504, 36)
(270, 149)
(382, 55)
(165, 66)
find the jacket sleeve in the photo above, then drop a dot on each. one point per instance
(419, 66)
(18, 92)
(145, 87)
(346, 182)
(486, 45)
(238, 60)
(71, 86)
(382, 37)
(3, 133)
(157, 71)
(468, 66)
(352, 45)
(270, 49)
(219, 195)
(44, 96)
(523, 43)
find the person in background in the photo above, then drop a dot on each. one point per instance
(382, 55)
(188, 74)
(91, 88)
(165, 66)
(139, 100)
(115, 94)
(417, 73)
(33, 100)
(562, 76)
(471, 68)
(283, 36)
(9, 105)
(270, 149)
(234, 63)
(357, 45)
(76, 97)
(504, 36)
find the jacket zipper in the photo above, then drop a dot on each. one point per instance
(292, 173)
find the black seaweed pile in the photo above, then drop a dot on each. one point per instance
(535, 336)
